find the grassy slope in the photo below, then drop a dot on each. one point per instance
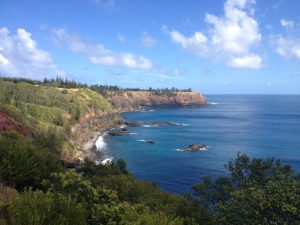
(41, 108)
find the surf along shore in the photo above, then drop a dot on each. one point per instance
(126, 101)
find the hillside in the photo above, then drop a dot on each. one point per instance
(57, 112)
(72, 118)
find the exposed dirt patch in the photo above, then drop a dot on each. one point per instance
(9, 124)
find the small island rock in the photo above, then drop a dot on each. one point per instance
(196, 147)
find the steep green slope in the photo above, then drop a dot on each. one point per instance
(50, 100)
(46, 109)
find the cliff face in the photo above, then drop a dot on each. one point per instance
(89, 128)
(128, 100)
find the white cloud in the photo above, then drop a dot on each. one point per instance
(100, 55)
(248, 61)
(20, 55)
(287, 23)
(230, 38)
(121, 38)
(147, 40)
(287, 47)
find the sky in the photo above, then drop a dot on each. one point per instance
(212, 46)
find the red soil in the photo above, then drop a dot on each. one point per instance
(9, 124)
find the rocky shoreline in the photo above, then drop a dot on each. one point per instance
(89, 148)
(91, 127)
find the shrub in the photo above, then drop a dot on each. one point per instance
(24, 164)
(39, 208)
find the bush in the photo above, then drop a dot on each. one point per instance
(39, 208)
(259, 191)
(24, 164)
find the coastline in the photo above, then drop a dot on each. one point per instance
(102, 124)
(90, 149)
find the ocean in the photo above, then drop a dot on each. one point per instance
(258, 125)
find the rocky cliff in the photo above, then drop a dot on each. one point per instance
(129, 100)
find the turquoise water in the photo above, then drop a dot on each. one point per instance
(259, 125)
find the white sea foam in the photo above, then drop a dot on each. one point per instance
(141, 140)
(100, 144)
(181, 124)
(107, 160)
(149, 110)
(123, 126)
(184, 149)
(213, 103)
(150, 125)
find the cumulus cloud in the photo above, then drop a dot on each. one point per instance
(287, 23)
(100, 55)
(21, 56)
(287, 47)
(230, 38)
(147, 40)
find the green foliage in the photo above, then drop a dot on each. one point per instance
(52, 138)
(258, 192)
(50, 97)
(139, 215)
(39, 208)
(76, 114)
(50, 110)
(23, 163)
(104, 204)
(188, 208)
(135, 192)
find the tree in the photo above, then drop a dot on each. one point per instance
(259, 191)
(76, 114)
(24, 164)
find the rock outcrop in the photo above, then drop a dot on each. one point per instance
(119, 132)
(196, 147)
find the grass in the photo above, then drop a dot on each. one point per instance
(41, 108)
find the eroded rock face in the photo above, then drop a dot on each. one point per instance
(89, 129)
(129, 100)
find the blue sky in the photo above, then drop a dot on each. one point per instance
(232, 46)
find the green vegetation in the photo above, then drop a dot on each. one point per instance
(257, 192)
(102, 89)
(24, 163)
(49, 111)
